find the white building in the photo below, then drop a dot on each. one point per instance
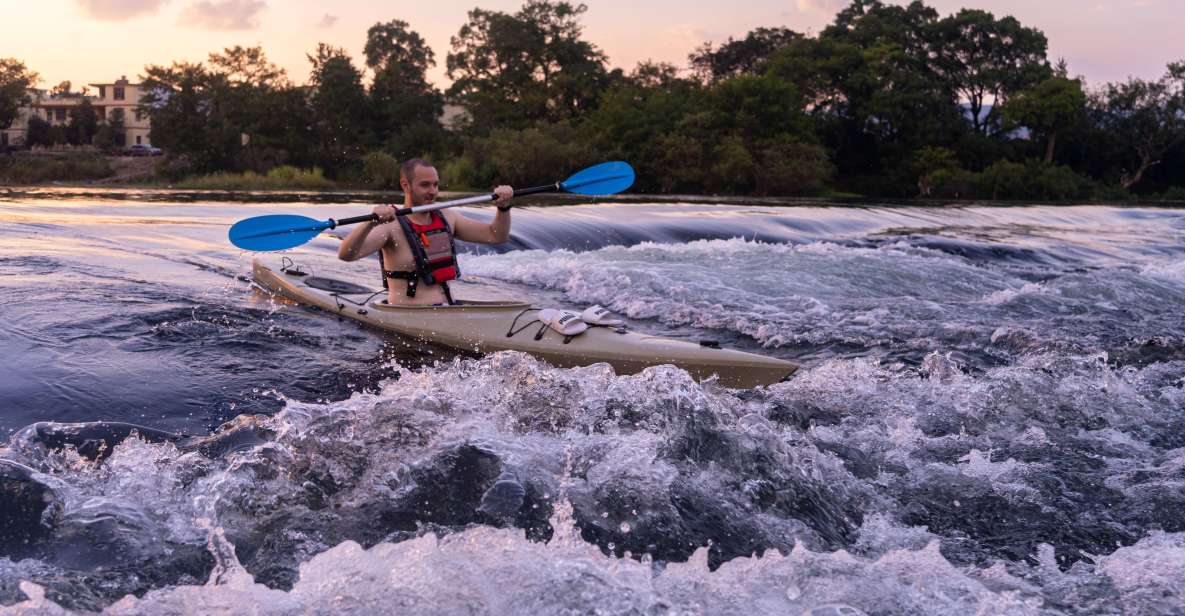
(113, 99)
(122, 97)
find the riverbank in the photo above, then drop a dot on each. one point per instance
(84, 171)
(177, 193)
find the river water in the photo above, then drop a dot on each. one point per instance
(989, 417)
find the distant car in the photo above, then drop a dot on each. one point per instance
(141, 149)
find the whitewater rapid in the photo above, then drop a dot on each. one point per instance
(988, 419)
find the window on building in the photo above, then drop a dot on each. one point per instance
(139, 114)
(102, 91)
(60, 113)
(3, 138)
(118, 93)
(138, 139)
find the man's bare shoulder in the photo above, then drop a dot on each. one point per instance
(390, 231)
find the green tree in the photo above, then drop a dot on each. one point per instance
(680, 163)
(868, 83)
(636, 113)
(247, 67)
(649, 74)
(189, 116)
(61, 90)
(1034, 179)
(739, 57)
(37, 132)
(103, 138)
(380, 171)
(758, 131)
(1146, 117)
(818, 67)
(539, 152)
(987, 59)
(111, 135)
(240, 112)
(395, 48)
(65, 89)
(931, 162)
(84, 122)
(756, 107)
(15, 81)
(339, 108)
(515, 70)
(406, 107)
(256, 98)
(117, 123)
(1051, 107)
(790, 165)
(870, 23)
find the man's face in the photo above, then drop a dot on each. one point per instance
(423, 185)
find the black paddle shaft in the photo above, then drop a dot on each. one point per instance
(519, 192)
(353, 221)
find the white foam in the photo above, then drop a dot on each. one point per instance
(1154, 565)
(498, 571)
(1172, 270)
(614, 428)
(779, 294)
(1004, 296)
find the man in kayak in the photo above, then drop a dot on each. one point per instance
(417, 251)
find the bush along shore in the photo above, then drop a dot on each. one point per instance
(1033, 181)
(73, 168)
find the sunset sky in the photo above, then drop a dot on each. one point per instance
(98, 40)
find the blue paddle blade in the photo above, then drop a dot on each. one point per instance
(603, 179)
(275, 231)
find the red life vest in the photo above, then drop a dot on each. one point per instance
(435, 252)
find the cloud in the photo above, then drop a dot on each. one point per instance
(824, 7)
(327, 21)
(223, 14)
(119, 10)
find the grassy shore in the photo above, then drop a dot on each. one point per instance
(18, 170)
(89, 169)
(280, 178)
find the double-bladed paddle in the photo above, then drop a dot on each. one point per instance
(283, 231)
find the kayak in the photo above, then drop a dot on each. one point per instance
(485, 326)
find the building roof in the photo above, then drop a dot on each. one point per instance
(122, 81)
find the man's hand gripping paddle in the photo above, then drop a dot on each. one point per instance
(284, 231)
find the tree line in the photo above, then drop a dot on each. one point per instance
(887, 100)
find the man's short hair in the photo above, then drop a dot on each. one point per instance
(407, 170)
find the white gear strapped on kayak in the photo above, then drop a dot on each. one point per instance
(596, 315)
(565, 322)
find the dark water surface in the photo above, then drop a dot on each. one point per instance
(990, 417)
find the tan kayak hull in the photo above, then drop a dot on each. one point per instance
(482, 327)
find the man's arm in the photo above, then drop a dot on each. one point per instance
(494, 232)
(366, 238)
